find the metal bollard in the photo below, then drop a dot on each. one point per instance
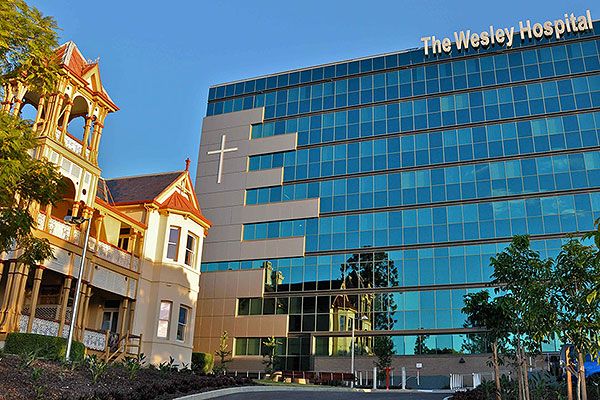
(374, 378)
(360, 378)
(403, 378)
(259, 375)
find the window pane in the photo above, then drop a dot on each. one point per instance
(173, 235)
(165, 310)
(163, 329)
(183, 315)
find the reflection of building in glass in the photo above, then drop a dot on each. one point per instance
(380, 187)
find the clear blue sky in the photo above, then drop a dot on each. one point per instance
(158, 58)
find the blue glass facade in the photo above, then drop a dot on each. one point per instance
(424, 168)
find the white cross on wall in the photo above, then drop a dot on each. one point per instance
(221, 152)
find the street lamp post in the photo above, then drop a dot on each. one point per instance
(76, 221)
(363, 318)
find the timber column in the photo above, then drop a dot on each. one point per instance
(86, 136)
(77, 320)
(7, 292)
(17, 293)
(37, 281)
(84, 311)
(124, 311)
(63, 305)
(65, 121)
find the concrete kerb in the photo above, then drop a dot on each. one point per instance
(276, 388)
(246, 389)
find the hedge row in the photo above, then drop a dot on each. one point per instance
(50, 347)
(203, 362)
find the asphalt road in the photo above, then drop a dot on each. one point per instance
(291, 395)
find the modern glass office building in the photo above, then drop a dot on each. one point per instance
(374, 192)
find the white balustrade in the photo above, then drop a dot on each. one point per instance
(91, 339)
(59, 229)
(113, 254)
(73, 144)
(40, 326)
(94, 340)
(92, 244)
(76, 236)
(41, 218)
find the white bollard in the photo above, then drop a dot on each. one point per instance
(374, 378)
(360, 378)
(259, 375)
(403, 378)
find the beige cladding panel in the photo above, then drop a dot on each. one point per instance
(296, 209)
(273, 248)
(230, 120)
(273, 144)
(222, 233)
(264, 178)
(221, 199)
(231, 285)
(261, 326)
(220, 251)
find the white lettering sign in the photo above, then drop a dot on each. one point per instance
(505, 36)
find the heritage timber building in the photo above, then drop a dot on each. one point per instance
(374, 191)
(141, 272)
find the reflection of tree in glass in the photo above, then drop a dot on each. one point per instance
(373, 270)
(421, 345)
(476, 344)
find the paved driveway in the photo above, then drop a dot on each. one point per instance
(292, 395)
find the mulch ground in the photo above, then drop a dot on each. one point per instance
(58, 381)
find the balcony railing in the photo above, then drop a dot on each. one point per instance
(59, 228)
(113, 254)
(92, 339)
(72, 143)
(103, 250)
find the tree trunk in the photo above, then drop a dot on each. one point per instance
(581, 367)
(569, 380)
(497, 371)
(519, 372)
(519, 367)
(525, 374)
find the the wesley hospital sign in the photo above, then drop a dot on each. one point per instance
(506, 36)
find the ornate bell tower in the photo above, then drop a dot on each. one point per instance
(78, 94)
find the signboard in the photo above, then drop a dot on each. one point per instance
(506, 36)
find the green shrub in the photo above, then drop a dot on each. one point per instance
(50, 347)
(203, 362)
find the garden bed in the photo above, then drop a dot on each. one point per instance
(30, 379)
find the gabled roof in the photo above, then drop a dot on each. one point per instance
(135, 189)
(177, 202)
(71, 58)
